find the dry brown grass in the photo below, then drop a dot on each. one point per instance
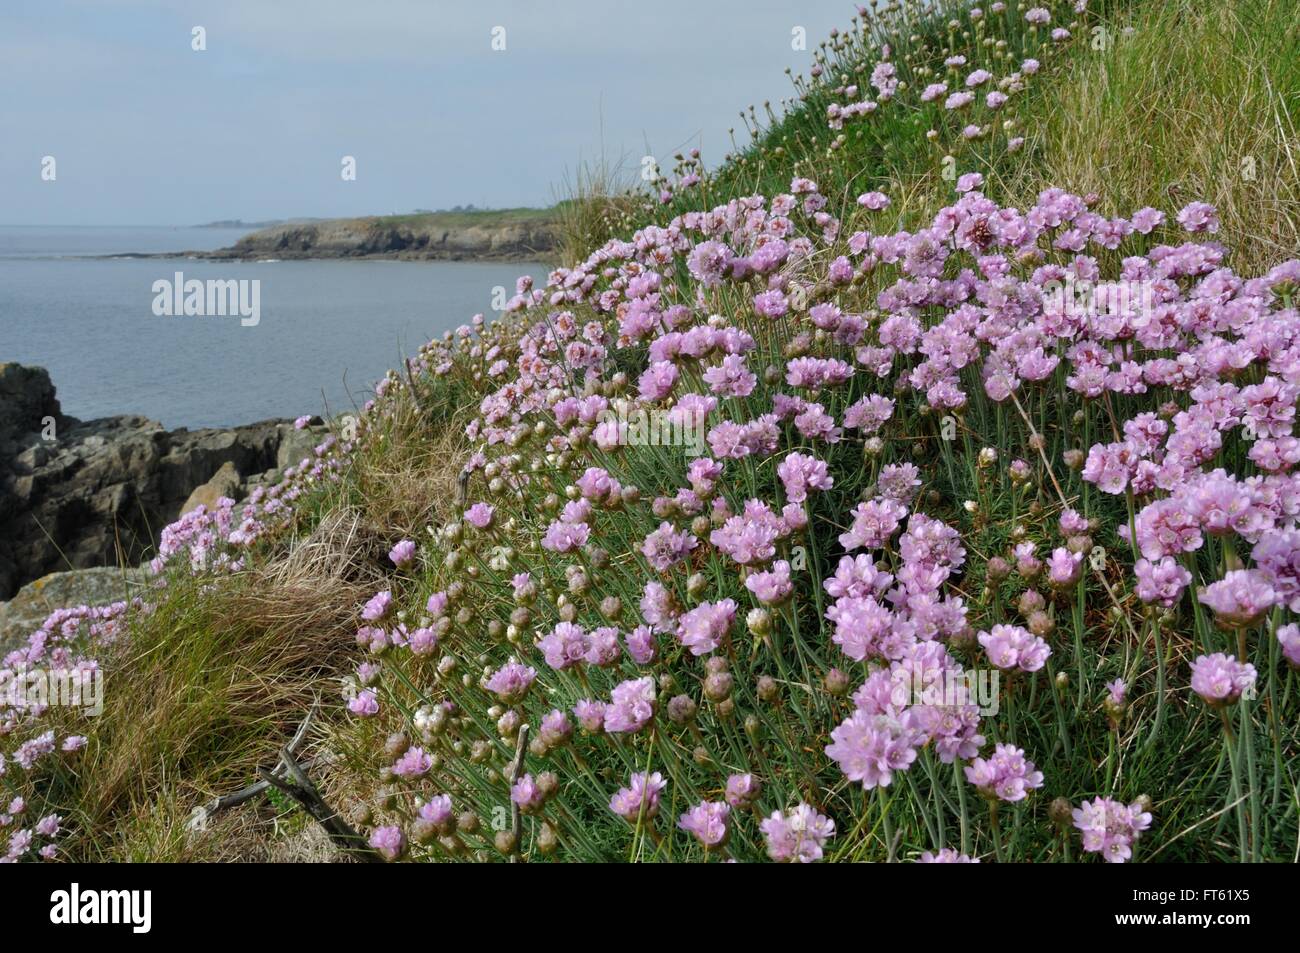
(596, 203)
(408, 479)
(209, 684)
(1201, 102)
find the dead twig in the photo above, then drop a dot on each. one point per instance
(516, 822)
(204, 812)
(299, 788)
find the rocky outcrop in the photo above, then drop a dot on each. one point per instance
(77, 494)
(483, 236)
(31, 606)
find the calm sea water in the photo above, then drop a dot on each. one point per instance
(328, 329)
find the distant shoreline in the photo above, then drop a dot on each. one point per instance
(501, 235)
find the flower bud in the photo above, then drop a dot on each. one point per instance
(505, 842)
(1060, 811)
(836, 682)
(508, 724)
(682, 709)
(717, 686)
(1030, 601)
(547, 841)
(767, 689)
(423, 832)
(1041, 624)
(548, 784)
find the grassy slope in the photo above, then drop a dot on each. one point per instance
(194, 715)
(1201, 100)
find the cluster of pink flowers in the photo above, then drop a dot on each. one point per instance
(711, 539)
(1110, 828)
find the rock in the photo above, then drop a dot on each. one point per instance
(100, 492)
(23, 615)
(295, 445)
(26, 400)
(225, 482)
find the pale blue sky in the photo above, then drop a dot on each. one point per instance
(147, 131)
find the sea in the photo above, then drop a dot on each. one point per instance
(72, 300)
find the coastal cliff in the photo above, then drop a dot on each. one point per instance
(77, 494)
(502, 235)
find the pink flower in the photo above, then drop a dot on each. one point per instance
(402, 554)
(771, 588)
(378, 606)
(1110, 828)
(1199, 217)
(666, 546)
(800, 473)
(1221, 679)
(1013, 647)
(1240, 599)
(389, 841)
(1162, 581)
(631, 705)
(563, 537)
(364, 704)
(707, 821)
(413, 764)
(1064, 568)
(480, 515)
(1007, 776)
(947, 855)
(657, 381)
(640, 799)
(511, 682)
(1289, 638)
(565, 646)
(730, 378)
(796, 836)
(871, 748)
(706, 626)
(874, 522)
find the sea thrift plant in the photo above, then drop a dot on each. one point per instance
(836, 568)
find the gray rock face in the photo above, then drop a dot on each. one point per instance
(23, 615)
(100, 492)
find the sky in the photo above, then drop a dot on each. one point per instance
(146, 130)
